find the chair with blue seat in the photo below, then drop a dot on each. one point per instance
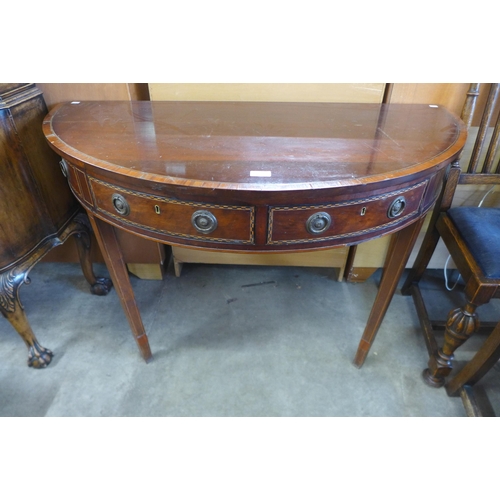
(472, 237)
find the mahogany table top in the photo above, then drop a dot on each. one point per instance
(256, 146)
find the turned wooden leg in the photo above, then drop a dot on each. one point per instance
(12, 309)
(110, 248)
(485, 358)
(81, 225)
(461, 324)
(399, 250)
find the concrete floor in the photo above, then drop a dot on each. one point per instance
(222, 348)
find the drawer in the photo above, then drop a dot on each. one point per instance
(288, 225)
(172, 217)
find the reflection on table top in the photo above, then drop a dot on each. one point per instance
(251, 145)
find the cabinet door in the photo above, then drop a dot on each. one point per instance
(35, 200)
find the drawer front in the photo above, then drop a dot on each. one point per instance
(288, 225)
(174, 218)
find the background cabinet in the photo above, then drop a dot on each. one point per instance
(37, 210)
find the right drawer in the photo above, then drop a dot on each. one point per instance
(289, 225)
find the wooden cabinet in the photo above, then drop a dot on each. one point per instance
(37, 210)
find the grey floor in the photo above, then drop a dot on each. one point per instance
(223, 348)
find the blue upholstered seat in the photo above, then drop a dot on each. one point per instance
(480, 229)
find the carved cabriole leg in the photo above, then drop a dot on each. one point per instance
(80, 228)
(10, 281)
(461, 324)
(12, 309)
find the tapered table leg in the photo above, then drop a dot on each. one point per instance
(110, 248)
(399, 251)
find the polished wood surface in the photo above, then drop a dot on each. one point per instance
(256, 177)
(218, 145)
(366, 258)
(144, 258)
(462, 383)
(267, 92)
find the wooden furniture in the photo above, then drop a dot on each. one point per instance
(366, 258)
(472, 236)
(144, 258)
(37, 210)
(462, 384)
(335, 258)
(256, 177)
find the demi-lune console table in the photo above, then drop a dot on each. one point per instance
(255, 177)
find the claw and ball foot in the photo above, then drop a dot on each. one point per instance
(12, 309)
(38, 356)
(12, 279)
(102, 286)
(82, 231)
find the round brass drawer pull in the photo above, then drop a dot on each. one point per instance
(318, 223)
(64, 167)
(397, 207)
(120, 203)
(204, 221)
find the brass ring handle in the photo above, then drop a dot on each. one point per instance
(64, 167)
(397, 207)
(120, 203)
(318, 223)
(204, 221)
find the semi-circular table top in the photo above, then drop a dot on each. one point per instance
(255, 176)
(255, 145)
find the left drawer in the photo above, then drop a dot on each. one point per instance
(174, 218)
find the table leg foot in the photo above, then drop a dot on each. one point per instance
(431, 380)
(361, 354)
(38, 356)
(12, 309)
(80, 227)
(102, 286)
(145, 350)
